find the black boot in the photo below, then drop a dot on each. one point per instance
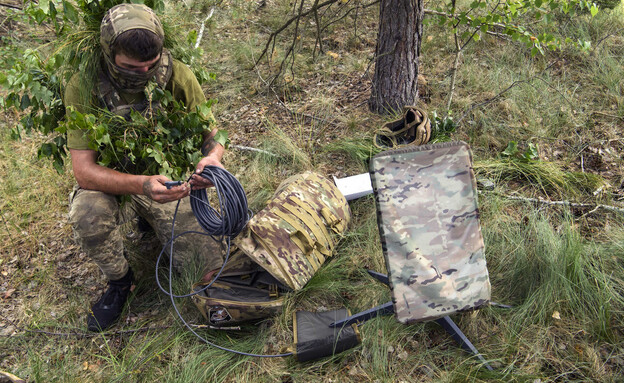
(108, 309)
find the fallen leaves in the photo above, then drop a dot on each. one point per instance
(7, 294)
(86, 366)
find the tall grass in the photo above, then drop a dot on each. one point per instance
(546, 178)
(541, 264)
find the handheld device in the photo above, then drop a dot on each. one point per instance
(170, 184)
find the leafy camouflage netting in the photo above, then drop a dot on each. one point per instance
(429, 226)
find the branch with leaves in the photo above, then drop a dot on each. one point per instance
(508, 18)
(503, 19)
(163, 141)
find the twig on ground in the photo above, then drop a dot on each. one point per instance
(203, 26)
(6, 226)
(12, 6)
(607, 115)
(80, 334)
(616, 33)
(458, 52)
(250, 149)
(594, 207)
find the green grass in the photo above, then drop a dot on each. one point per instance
(545, 178)
(552, 269)
(560, 267)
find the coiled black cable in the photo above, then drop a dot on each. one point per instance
(222, 225)
(233, 212)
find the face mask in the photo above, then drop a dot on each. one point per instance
(129, 80)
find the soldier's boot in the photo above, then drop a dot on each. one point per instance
(108, 309)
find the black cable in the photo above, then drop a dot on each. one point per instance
(222, 224)
(227, 256)
(233, 212)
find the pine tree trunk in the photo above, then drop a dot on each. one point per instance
(398, 48)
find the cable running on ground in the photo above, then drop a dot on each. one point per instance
(222, 225)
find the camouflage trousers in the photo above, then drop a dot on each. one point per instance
(97, 218)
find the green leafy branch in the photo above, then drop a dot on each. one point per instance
(511, 19)
(530, 154)
(441, 127)
(163, 141)
(36, 90)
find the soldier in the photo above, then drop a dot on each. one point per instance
(133, 54)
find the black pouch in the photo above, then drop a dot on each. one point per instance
(314, 338)
(243, 292)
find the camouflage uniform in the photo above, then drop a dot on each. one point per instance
(96, 216)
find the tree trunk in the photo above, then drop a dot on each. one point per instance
(395, 83)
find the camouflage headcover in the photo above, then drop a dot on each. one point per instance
(429, 226)
(122, 18)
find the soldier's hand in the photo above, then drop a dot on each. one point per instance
(199, 182)
(154, 187)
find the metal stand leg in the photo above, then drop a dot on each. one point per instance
(363, 316)
(388, 308)
(460, 338)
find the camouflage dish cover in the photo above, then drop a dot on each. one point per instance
(429, 226)
(297, 231)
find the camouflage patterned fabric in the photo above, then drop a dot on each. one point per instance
(122, 18)
(226, 302)
(290, 239)
(429, 225)
(298, 230)
(96, 218)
